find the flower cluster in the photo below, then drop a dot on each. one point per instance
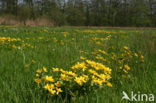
(15, 43)
(86, 74)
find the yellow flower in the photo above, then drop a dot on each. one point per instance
(49, 86)
(39, 71)
(98, 66)
(81, 65)
(92, 72)
(45, 69)
(38, 81)
(98, 43)
(66, 33)
(80, 80)
(86, 77)
(33, 61)
(63, 71)
(126, 67)
(125, 47)
(108, 76)
(125, 71)
(2, 41)
(40, 38)
(101, 51)
(99, 82)
(96, 80)
(14, 46)
(135, 54)
(55, 69)
(58, 90)
(45, 30)
(37, 75)
(49, 79)
(82, 58)
(73, 38)
(99, 57)
(58, 84)
(142, 58)
(63, 76)
(52, 91)
(55, 40)
(102, 76)
(52, 86)
(72, 74)
(109, 84)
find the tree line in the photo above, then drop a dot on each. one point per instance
(84, 12)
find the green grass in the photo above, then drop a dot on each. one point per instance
(17, 81)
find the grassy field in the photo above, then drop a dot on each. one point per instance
(23, 50)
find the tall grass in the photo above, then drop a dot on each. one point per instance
(17, 71)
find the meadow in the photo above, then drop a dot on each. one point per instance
(29, 54)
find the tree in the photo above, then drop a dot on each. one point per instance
(24, 13)
(140, 17)
(85, 12)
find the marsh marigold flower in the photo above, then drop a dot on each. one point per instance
(72, 74)
(37, 75)
(38, 81)
(45, 69)
(125, 71)
(79, 80)
(82, 58)
(55, 69)
(49, 79)
(58, 84)
(39, 71)
(65, 77)
(109, 84)
(125, 47)
(126, 67)
(58, 90)
(81, 65)
(14, 46)
(135, 54)
(142, 58)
